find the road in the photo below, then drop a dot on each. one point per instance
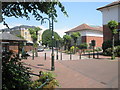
(81, 73)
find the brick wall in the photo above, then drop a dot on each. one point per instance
(87, 39)
(15, 48)
(107, 34)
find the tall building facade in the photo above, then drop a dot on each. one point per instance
(110, 12)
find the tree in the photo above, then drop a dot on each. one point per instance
(14, 73)
(67, 41)
(22, 9)
(34, 36)
(113, 27)
(75, 36)
(47, 38)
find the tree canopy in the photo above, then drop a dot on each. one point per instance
(113, 26)
(34, 33)
(67, 41)
(47, 38)
(37, 9)
(75, 35)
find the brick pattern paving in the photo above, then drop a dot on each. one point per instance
(68, 77)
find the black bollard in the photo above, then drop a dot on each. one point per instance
(80, 56)
(45, 56)
(70, 56)
(89, 54)
(57, 55)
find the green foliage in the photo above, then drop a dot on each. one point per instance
(75, 36)
(47, 38)
(34, 33)
(22, 9)
(83, 46)
(73, 48)
(98, 49)
(113, 26)
(108, 51)
(14, 74)
(20, 36)
(108, 44)
(45, 76)
(67, 41)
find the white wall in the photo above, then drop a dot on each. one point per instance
(110, 13)
(91, 33)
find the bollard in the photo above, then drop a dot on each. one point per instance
(57, 55)
(93, 51)
(61, 55)
(80, 56)
(97, 55)
(45, 56)
(89, 55)
(70, 56)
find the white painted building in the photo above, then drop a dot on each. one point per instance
(110, 12)
(88, 33)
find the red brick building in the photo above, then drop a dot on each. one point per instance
(88, 33)
(110, 12)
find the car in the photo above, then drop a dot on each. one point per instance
(40, 49)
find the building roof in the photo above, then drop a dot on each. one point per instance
(17, 27)
(109, 5)
(85, 27)
(9, 37)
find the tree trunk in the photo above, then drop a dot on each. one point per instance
(33, 53)
(36, 53)
(113, 54)
(36, 47)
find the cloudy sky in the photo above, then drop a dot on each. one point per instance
(79, 13)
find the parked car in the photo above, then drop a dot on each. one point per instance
(40, 49)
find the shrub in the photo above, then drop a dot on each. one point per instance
(109, 51)
(108, 44)
(14, 74)
(98, 49)
(72, 49)
(83, 46)
(43, 78)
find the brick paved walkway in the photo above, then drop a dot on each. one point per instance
(78, 73)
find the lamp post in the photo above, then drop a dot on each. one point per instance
(51, 28)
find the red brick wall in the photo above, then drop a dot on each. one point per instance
(15, 48)
(87, 39)
(107, 35)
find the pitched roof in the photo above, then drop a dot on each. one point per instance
(17, 27)
(9, 37)
(109, 5)
(85, 27)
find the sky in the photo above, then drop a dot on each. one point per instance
(78, 13)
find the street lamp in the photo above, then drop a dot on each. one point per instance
(51, 28)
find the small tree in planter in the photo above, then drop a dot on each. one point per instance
(67, 41)
(75, 36)
(113, 25)
(34, 36)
